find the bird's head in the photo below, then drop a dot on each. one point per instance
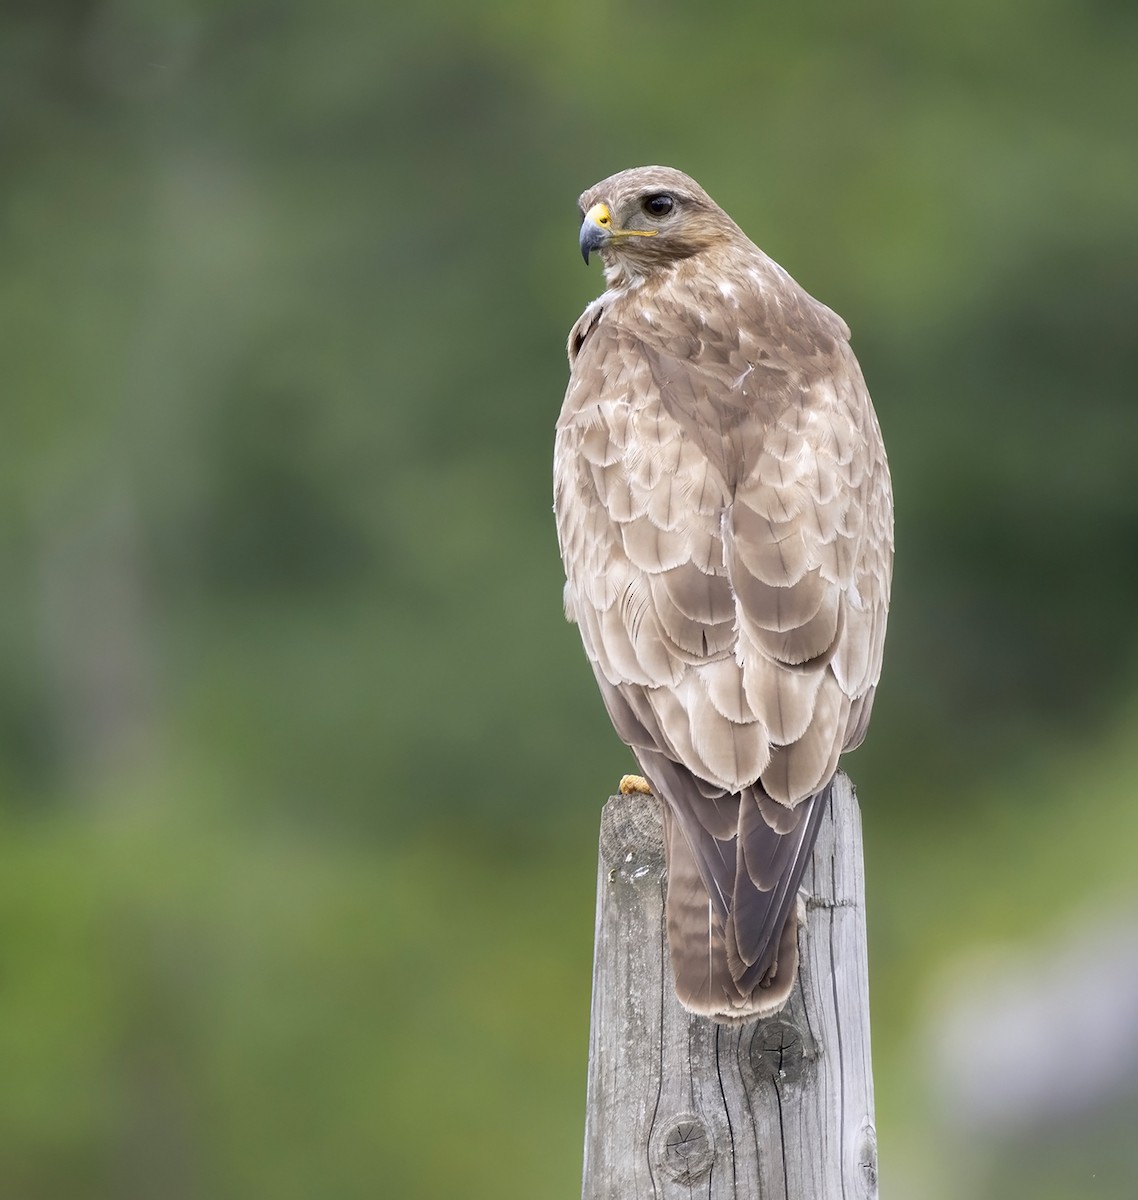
(646, 218)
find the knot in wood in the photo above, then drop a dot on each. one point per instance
(866, 1162)
(779, 1050)
(685, 1150)
(632, 837)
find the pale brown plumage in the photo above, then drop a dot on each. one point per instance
(725, 518)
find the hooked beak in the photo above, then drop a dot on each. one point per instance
(596, 229)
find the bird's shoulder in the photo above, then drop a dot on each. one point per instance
(713, 312)
(717, 343)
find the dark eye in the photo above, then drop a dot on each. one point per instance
(659, 205)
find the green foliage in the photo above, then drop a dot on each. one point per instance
(299, 764)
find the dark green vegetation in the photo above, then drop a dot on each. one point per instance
(301, 767)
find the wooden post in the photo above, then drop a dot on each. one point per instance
(678, 1106)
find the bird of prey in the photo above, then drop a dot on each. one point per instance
(725, 518)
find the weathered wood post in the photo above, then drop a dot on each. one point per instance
(777, 1109)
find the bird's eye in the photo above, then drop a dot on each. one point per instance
(659, 205)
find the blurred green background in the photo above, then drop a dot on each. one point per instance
(301, 767)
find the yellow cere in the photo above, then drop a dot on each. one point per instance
(599, 215)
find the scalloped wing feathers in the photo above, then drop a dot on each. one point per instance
(725, 519)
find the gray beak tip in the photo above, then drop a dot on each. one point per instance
(592, 237)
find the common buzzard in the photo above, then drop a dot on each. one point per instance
(725, 518)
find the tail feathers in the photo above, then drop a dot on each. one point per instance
(735, 863)
(732, 899)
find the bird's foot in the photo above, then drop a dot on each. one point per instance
(630, 784)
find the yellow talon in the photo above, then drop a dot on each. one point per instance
(634, 783)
